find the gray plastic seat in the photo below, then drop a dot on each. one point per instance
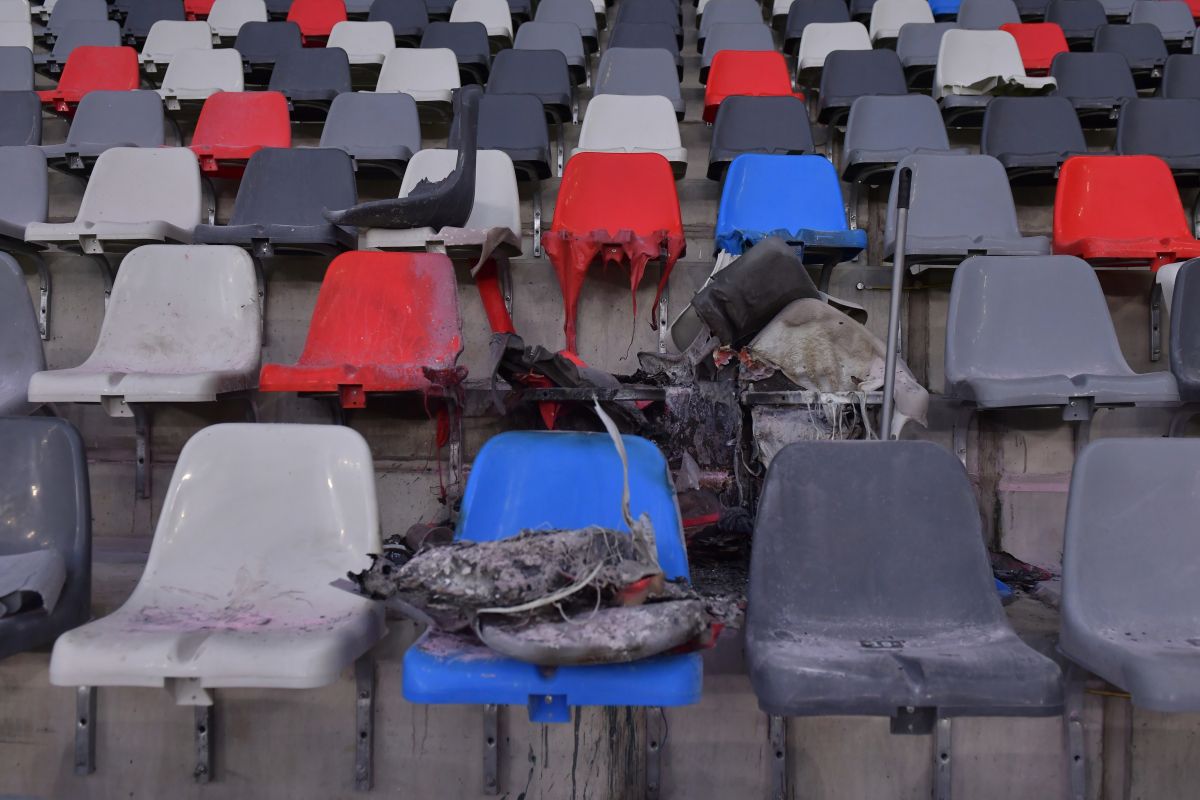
(842, 616)
(16, 69)
(469, 41)
(1037, 332)
(917, 46)
(561, 36)
(773, 125)
(1079, 19)
(1097, 84)
(310, 78)
(1173, 19)
(960, 206)
(67, 11)
(24, 194)
(638, 71)
(799, 14)
(408, 19)
(261, 44)
(860, 10)
(1142, 46)
(882, 131)
(380, 130)
(734, 36)
(515, 124)
(728, 12)
(1032, 10)
(281, 202)
(195, 75)
(541, 73)
(143, 14)
(1181, 77)
(851, 74)
(648, 35)
(78, 33)
(20, 342)
(1163, 127)
(20, 118)
(55, 520)
(986, 15)
(105, 120)
(1117, 10)
(577, 12)
(654, 12)
(1129, 554)
(1032, 136)
(1185, 330)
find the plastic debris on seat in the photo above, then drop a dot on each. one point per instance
(378, 129)
(233, 126)
(607, 129)
(20, 347)
(89, 69)
(1032, 136)
(973, 67)
(882, 131)
(105, 120)
(639, 71)
(1039, 43)
(773, 125)
(851, 74)
(751, 74)
(889, 16)
(20, 118)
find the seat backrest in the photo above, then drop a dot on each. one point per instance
(822, 38)
(310, 69)
(1181, 76)
(1159, 126)
(629, 124)
(1038, 43)
(316, 17)
(492, 13)
(888, 16)
(228, 16)
(1142, 44)
(243, 118)
(594, 194)
(1118, 197)
(562, 36)
(16, 69)
(295, 186)
(92, 68)
(369, 118)
(854, 73)
(384, 309)
(1029, 316)
(580, 484)
(955, 194)
(637, 71)
(363, 38)
(766, 193)
(969, 57)
(643, 34)
(265, 42)
(515, 124)
(127, 119)
(763, 125)
(919, 43)
(142, 14)
(1172, 18)
(94, 32)
(537, 72)
(411, 68)
(20, 118)
(204, 70)
(468, 40)
(71, 10)
(14, 11)
(984, 15)
(736, 36)
(25, 191)
(497, 202)
(283, 506)
(1028, 125)
(198, 304)
(141, 184)
(744, 12)
(579, 12)
(801, 15)
(1079, 19)
(734, 72)
(1185, 331)
(667, 13)
(899, 126)
(16, 34)
(407, 17)
(169, 36)
(20, 356)
(1092, 76)
(859, 525)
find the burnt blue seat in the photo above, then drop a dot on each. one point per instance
(1142, 46)
(380, 130)
(20, 342)
(261, 44)
(881, 131)
(1079, 20)
(281, 202)
(652, 35)
(1032, 136)
(408, 19)
(469, 41)
(773, 125)
(78, 33)
(918, 45)
(105, 120)
(16, 69)
(1037, 332)
(1185, 330)
(515, 124)
(851, 74)
(47, 517)
(1181, 77)
(1129, 551)
(841, 621)
(20, 118)
(1097, 84)
(1163, 127)
(310, 78)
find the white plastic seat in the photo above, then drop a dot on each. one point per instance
(136, 195)
(228, 16)
(980, 63)
(195, 75)
(236, 591)
(429, 75)
(168, 37)
(822, 38)
(183, 325)
(16, 34)
(493, 14)
(888, 16)
(497, 209)
(364, 42)
(615, 123)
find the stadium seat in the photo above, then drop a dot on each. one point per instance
(16, 34)
(1097, 84)
(105, 120)
(734, 36)
(1185, 330)
(20, 349)
(1141, 45)
(167, 38)
(649, 35)
(136, 195)
(233, 126)
(1032, 136)
(311, 77)
(642, 13)
(364, 42)
(429, 76)
(380, 131)
(494, 15)
(1172, 18)
(889, 16)
(228, 16)
(1079, 20)
(143, 14)
(197, 9)
(633, 124)
(24, 195)
(16, 69)
(839, 623)
(638, 71)
(772, 125)
(1163, 127)
(579, 484)
(281, 203)
(581, 13)
(316, 19)
(516, 125)
(987, 15)
(1122, 209)
(89, 69)
(65, 12)
(1117, 10)
(822, 38)
(944, 10)
(382, 323)
(541, 73)
(793, 17)
(261, 44)
(748, 74)
(1181, 77)
(20, 118)
(918, 46)
(81, 33)
(194, 75)
(1039, 43)
(14, 11)
(975, 66)
(851, 74)
(408, 19)
(469, 43)
(860, 10)
(47, 518)
(881, 131)
(1127, 603)
(960, 206)
(728, 12)
(305, 508)
(561, 36)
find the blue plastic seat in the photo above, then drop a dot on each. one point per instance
(526, 480)
(944, 9)
(798, 198)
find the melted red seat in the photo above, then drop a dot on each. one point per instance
(746, 72)
(235, 125)
(1039, 43)
(1121, 208)
(384, 322)
(618, 207)
(89, 69)
(316, 19)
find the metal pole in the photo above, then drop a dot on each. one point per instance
(889, 374)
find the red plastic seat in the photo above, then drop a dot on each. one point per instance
(1039, 43)
(1123, 209)
(316, 19)
(616, 207)
(89, 69)
(197, 9)
(235, 125)
(746, 72)
(1194, 5)
(384, 322)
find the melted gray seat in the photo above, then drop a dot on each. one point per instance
(744, 124)
(1032, 136)
(380, 130)
(986, 15)
(1181, 77)
(20, 118)
(105, 120)
(960, 206)
(881, 131)
(20, 342)
(1142, 46)
(918, 45)
(851, 74)
(77, 33)
(1097, 84)
(842, 616)
(46, 453)
(1037, 332)
(639, 71)
(1185, 331)
(1163, 127)
(1129, 555)
(16, 69)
